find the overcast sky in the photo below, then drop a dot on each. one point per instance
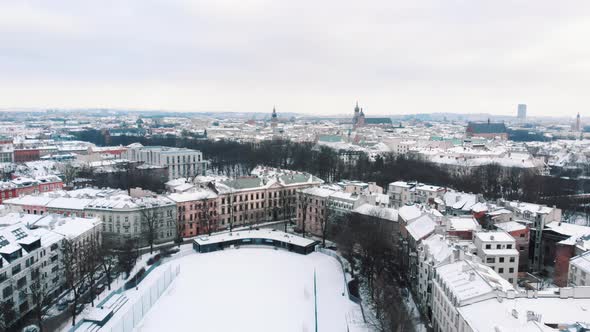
(317, 57)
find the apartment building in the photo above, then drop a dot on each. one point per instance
(403, 193)
(342, 203)
(179, 162)
(127, 218)
(539, 216)
(265, 197)
(7, 191)
(458, 284)
(496, 250)
(434, 251)
(312, 205)
(41, 184)
(520, 233)
(197, 211)
(359, 187)
(579, 270)
(469, 297)
(399, 194)
(29, 255)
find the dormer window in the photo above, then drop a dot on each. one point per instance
(19, 233)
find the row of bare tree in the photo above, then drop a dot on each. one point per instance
(370, 244)
(85, 263)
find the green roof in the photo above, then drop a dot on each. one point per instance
(243, 183)
(295, 178)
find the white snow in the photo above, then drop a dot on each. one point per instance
(270, 234)
(421, 227)
(253, 289)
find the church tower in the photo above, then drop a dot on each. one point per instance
(274, 120)
(358, 120)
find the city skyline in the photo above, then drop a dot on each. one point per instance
(306, 57)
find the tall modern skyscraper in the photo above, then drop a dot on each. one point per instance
(578, 123)
(521, 112)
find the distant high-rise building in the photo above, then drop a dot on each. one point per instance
(578, 123)
(521, 112)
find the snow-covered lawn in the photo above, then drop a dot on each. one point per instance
(253, 289)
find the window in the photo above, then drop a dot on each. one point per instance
(21, 282)
(498, 246)
(511, 259)
(23, 306)
(508, 246)
(488, 246)
(511, 270)
(510, 280)
(7, 292)
(3, 241)
(16, 269)
(19, 234)
(501, 270)
(501, 259)
(490, 260)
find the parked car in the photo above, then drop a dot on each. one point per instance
(79, 308)
(69, 297)
(99, 288)
(62, 304)
(405, 292)
(31, 328)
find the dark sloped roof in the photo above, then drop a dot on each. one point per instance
(486, 127)
(378, 121)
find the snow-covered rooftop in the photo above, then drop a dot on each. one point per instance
(255, 234)
(409, 212)
(371, 210)
(514, 315)
(468, 280)
(510, 226)
(195, 195)
(494, 236)
(421, 227)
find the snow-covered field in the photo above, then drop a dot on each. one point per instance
(254, 289)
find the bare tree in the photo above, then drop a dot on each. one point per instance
(127, 256)
(150, 221)
(74, 271)
(325, 222)
(93, 264)
(204, 216)
(303, 205)
(107, 261)
(231, 206)
(7, 315)
(286, 206)
(69, 173)
(179, 226)
(40, 299)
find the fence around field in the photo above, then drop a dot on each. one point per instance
(345, 267)
(134, 313)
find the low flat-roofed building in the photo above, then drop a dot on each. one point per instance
(273, 238)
